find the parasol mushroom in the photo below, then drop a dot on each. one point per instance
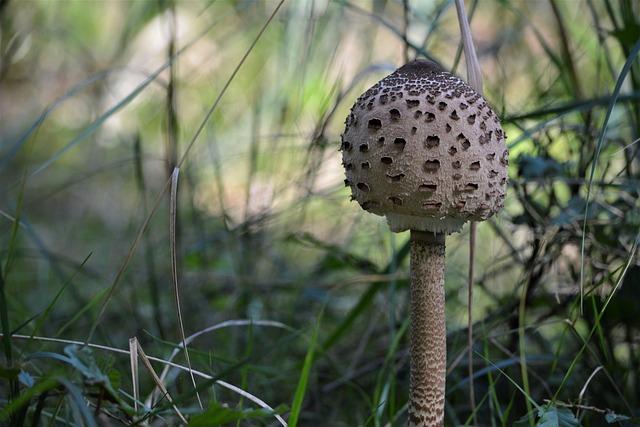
(425, 150)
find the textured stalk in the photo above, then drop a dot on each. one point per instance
(428, 345)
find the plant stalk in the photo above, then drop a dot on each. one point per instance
(428, 342)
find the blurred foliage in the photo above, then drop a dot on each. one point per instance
(100, 100)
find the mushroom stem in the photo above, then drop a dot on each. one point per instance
(428, 344)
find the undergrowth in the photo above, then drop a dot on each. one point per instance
(170, 178)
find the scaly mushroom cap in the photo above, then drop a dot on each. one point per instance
(424, 149)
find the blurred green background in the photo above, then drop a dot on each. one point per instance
(100, 100)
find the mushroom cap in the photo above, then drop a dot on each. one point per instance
(424, 149)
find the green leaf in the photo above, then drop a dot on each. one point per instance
(81, 358)
(24, 398)
(612, 417)
(627, 35)
(538, 167)
(26, 379)
(551, 416)
(574, 211)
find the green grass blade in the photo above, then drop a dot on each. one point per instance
(365, 300)
(386, 375)
(363, 303)
(512, 381)
(14, 228)
(82, 311)
(45, 315)
(4, 318)
(301, 389)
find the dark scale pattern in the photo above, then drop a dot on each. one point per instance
(428, 335)
(421, 128)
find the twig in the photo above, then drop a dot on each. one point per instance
(578, 406)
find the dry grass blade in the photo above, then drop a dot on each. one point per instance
(173, 213)
(156, 379)
(474, 76)
(133, 361)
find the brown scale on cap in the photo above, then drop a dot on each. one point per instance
(435, 130)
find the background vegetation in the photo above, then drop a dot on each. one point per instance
(297, 296)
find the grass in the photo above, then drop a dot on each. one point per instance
(293, 305)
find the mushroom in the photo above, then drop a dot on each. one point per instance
(436, 158)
